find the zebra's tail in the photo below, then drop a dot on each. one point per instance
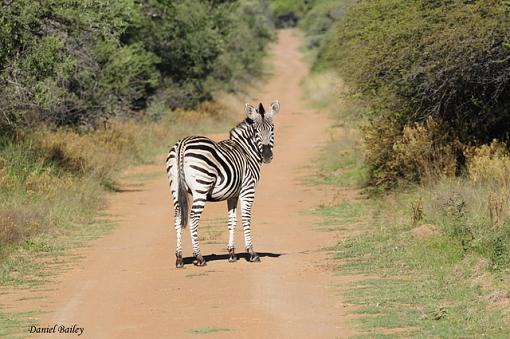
(182, 194)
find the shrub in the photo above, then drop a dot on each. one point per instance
(288, 12)
(416, 59)
(64, 63)
(318, 21)
(203, 48)
(411, 54)
(489, 164)
(419, 152)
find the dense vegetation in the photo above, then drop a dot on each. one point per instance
(318, 26)
(420, 61)
(287, 13)
(79, 63)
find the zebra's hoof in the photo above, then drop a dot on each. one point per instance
(179, 263)
(199, 261)
(255, 258)
(232, 256)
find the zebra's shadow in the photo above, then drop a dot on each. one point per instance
(242, 255)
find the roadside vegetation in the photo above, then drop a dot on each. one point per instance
(420, 111)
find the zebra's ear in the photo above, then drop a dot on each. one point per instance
(250, 111)
(274, 108)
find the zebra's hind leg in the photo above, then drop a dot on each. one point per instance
(246, 203)
(232, 221)
(196, 212)
(179, 263)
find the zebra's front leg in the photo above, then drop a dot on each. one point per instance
(246, 203)
(232, 221)
(196, 212)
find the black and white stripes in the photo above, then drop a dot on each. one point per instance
(227, 170)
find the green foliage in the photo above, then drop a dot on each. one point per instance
(288, 12)
(203, 48)
(318, 24)
(415, 59)
(63, 62)
(75, 63)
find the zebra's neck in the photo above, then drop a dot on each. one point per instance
(244, 135)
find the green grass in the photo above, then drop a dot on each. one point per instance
(209, 329)
(346, 168)
(14, 325)
(344, 216)
(34, 261)
(422, 286)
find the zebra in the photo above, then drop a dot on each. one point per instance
(216, 171)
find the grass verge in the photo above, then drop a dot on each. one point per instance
(428, 253)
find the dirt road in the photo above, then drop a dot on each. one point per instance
(127, 286)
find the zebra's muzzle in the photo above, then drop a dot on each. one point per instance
(267, 154)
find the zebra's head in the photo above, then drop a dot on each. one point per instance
(264, 128)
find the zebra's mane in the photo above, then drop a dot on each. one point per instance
(241, 129)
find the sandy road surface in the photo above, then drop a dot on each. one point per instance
(127, 286)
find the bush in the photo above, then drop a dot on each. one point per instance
(203, 48)
(412, 60)
(318, 21)
(419, 152)
(64, 63)
(288, 12)
(409, 53)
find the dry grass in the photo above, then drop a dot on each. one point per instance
(17, 223)
(489, 164)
